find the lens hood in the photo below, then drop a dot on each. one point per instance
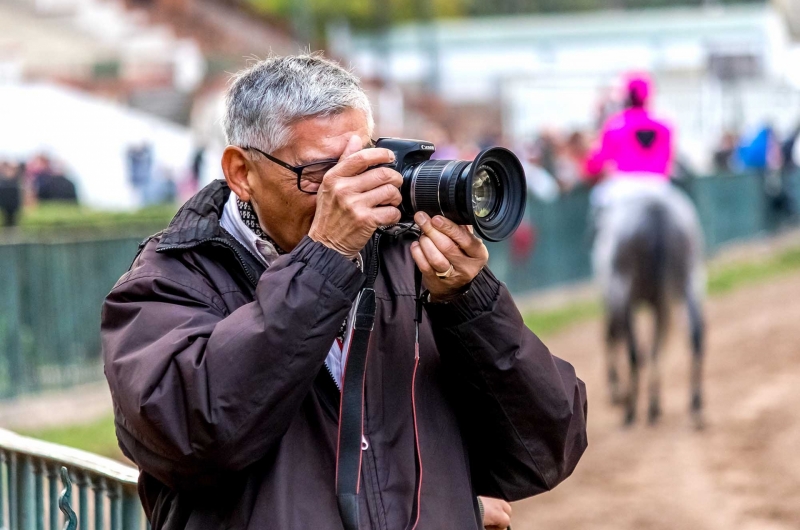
(509, 179)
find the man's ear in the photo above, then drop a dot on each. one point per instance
(236, 166)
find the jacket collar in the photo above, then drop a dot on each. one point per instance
(198, 220)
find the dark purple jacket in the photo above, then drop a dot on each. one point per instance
(222, 398)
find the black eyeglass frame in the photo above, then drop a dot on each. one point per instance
(297, 170)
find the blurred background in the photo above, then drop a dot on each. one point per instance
(110, 119)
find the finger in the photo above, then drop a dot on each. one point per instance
(353, 146)
(420, 259)
(373, 178)
(435, 257)
(382, 196)
(506, 507)
(471, 245)
(385, 215)
(358, 162)
(445, 245)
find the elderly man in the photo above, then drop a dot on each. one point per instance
(226, 342)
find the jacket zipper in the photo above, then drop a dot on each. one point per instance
(330, 373)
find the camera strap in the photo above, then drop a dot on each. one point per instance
(351, 408)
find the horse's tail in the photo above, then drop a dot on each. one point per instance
(658, 219)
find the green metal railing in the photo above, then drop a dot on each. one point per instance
(730, 207)
(29, 487)
(50, 299)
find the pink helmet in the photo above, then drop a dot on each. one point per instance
(638, 88)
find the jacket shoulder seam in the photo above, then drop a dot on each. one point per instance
(212, 298)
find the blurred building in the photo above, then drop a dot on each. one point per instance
(717, 68)
(85, 80)
(150, 54)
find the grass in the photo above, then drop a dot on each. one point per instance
(728, 277)
(548, 322)
(99, 437)
(58, 219)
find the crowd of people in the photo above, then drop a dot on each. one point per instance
(24, 183)
(767, 154)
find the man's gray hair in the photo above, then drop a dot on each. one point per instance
(266, 99)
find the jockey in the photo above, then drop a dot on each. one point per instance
(635, 151)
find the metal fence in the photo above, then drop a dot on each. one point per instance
(730, 208)
(50, 298)
(51, 293)
(29, 488)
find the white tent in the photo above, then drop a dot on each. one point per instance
(90, 137)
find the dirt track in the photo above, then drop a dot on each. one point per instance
(741, 472)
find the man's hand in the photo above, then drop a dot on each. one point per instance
(496, 514)
(451, 250)
(353, 201)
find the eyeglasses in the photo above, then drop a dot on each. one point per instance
(309, 176)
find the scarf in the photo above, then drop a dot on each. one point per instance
(250, 219)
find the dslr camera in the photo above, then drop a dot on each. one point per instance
(488, 193)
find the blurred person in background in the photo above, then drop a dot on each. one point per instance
(38, 166)
(635, 149)
(571, 161)
(725, 158)
(764, 155)
(787, 203)
(140, 168)
(225, 344)
(52, 185)
(11, 177)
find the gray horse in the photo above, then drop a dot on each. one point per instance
(648, 251)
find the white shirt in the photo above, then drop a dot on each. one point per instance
(265, 252)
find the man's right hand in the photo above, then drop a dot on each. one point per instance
(353, 200)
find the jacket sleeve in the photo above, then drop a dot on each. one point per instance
(199, 393)
(522, 411)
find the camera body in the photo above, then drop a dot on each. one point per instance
(488, 193)
(408, 154)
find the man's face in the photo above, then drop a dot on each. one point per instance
(284, 211)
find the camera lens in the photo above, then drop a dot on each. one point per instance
(488, 193)
(484, 192)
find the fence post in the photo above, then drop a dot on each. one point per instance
(25, 496)
(131, 510)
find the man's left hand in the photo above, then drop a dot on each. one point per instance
(496, 514)
(448, 255)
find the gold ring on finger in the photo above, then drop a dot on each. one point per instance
(447, 273)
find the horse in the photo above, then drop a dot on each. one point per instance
(648, 251)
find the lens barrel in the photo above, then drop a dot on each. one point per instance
(488, 193)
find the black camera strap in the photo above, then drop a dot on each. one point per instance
(351, 411)
(351, 408)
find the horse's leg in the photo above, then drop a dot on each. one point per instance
(633, 357)
(617, 298)
(613, 333)
(660, 317)
(697, 328)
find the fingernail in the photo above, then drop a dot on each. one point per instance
(421, 218)
(415, 244)
(438, 221)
